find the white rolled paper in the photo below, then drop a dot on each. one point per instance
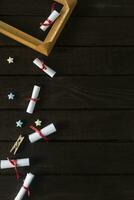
(34, 96)
(5, 164)
(52, 17)
(45, 131)
(48, 70)
(28, 180)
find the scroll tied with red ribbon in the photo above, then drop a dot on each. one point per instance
(39, 132)
(14, 163)
(25, 187)
(50, 20)
(50, 72)
(43, 133)
(34, 98)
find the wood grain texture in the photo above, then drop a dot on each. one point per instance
(82, 125)
(74, 158)
(90, 101)
(70, 92)
(78, 187)
(92, 31)
(61, 187)
(84, 8)
(70, 61)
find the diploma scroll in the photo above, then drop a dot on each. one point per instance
(44, 67)
(25, 188)
(33, 99)
(45, 131)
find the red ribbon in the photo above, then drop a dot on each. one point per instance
(32, 99)
(39, 132)
(14, 163)
(28, 190)
(43, 67)
(48, 22)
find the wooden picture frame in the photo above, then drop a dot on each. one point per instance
(47, 45)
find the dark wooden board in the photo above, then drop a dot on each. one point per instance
(90, 101)
(104, 92)
(82, 125)
(70, 61)
(74, 158)
(76, 187)
(84, 8)
(79, 31)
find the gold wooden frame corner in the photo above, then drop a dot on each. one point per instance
(47, 45)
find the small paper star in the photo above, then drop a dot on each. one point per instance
(11, 96)
(19, 124)
(38, 122)
(10, 60)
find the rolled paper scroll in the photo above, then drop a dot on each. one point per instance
(43, 132)
(50, 20)
(44, 67)
(33, 99)
(5, 164)
(25, 188)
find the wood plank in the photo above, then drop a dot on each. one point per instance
(82, 125)
(72, 187)
(103, 92)
(50, 187)
(71, 61)
(84, 8)
(74, 158)
(94, 31)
